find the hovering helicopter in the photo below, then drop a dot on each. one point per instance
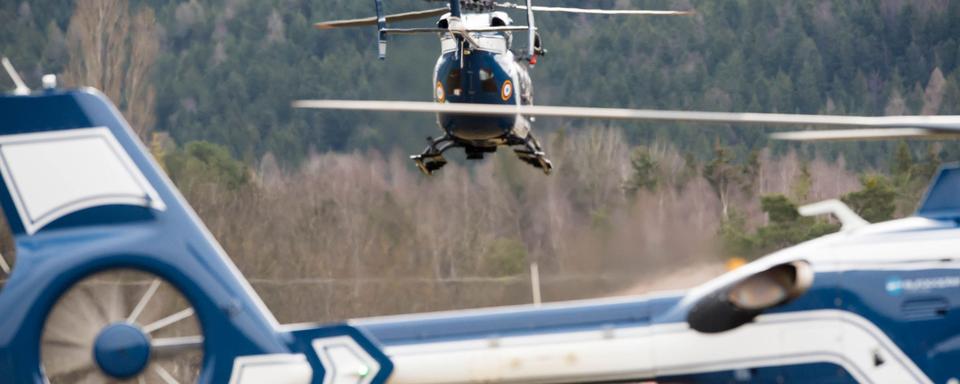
(478, 65)
(116, 279)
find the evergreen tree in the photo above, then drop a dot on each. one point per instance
(876, 202)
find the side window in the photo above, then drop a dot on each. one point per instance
(488, 81)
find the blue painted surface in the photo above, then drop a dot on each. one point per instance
(806, 373)
(516, 322)
(475, 127)
(922, 322)
(122, 350)
(942, 200)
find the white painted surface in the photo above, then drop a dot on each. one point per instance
(273, 369)
(345, 361)
(51, 175)
(826, 336)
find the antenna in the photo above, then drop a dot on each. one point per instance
(381, 35)
(21, 88)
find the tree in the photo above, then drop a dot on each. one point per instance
(876, 202)
(903, 163)
(786, 228)
(800, 190)
(105, 53)
(726, 178)
(645, 172)
(203, 162)
(779, 209)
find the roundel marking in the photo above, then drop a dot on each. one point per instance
(441, 95)
(506, 92)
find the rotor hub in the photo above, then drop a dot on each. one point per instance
(122, 350)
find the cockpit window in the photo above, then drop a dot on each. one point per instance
(452, 85)
(488, 81)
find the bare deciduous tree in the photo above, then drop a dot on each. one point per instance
(368, 235)
(109, 52)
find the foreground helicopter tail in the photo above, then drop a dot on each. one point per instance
(942, 200)
(115, 276)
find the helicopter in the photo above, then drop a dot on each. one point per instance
(478, 65)
(117, 279)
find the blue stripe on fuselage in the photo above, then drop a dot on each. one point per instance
(516, 321)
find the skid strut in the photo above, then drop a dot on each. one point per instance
(432, 158)
(531, 153)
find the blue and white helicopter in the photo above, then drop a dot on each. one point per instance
(476, 66)
(115, 279)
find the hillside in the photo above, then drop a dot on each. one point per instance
(226, 70)
(328, 203)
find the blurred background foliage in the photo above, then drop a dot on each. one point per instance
(328, 202)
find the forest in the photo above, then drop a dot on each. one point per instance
(329, 203)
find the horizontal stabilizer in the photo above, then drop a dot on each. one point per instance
(906, 124)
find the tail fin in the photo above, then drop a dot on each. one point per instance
(942, 201)
(82, 195)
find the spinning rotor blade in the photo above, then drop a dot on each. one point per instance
(411, 31)
(595, 11)
(416, 15)
(121, 296)
(909, 126)
(867, 134)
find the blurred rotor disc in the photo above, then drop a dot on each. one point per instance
(138, 299)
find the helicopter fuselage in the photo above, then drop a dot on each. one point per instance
(485, 73)
(477, 67)
(478, 77)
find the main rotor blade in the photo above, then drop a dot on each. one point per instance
(866, 134)
(412, 31)
(596, 11)
(416, 15)
(949, 124)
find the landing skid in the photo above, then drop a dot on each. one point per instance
(531, 153)
(527, 149)
(432, 158)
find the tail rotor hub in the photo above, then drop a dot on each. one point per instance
(122, 350)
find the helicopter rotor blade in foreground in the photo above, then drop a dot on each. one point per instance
(539, 8)
(882, 127)
(870, 134)
(367, 21)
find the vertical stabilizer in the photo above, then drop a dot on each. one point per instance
(942, 200)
